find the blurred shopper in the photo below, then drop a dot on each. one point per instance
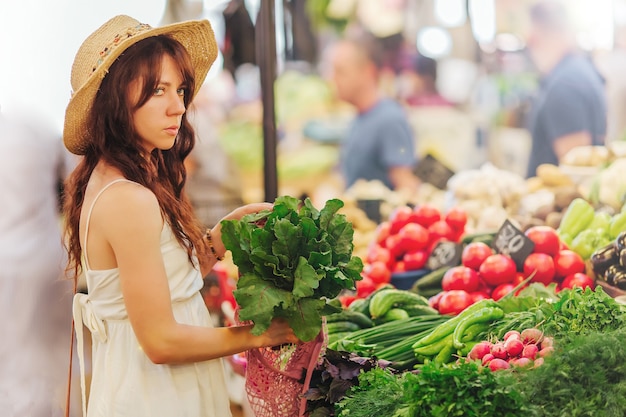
(133, 233)
(570, 109)
(419, 84)
(213, 182)
(379, 144)
(35, 300)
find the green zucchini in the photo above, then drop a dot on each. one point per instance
(342, 327)
(384, 301)
(348, 315)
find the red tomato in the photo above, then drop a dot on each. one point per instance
(545, 239)
(456, 217)
(440, 230)
(501, 290)
(398, 267)
(365, 287)
(479, 295)
(383, 231)
(433, 301)
(377, 272)
(460, 278)
(426, 215)
(474, 254)
(415, 260)
(413, 237)
(519, 278)
(455, 301)
(394, 244)
(498, 269)
(578, 280)
(541, 265)
(378, 253)
(567, 262)
(400, 216)
(346, 300)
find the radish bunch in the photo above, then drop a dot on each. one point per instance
(516, 350)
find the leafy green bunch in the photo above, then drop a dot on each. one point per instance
(583, 311)
(458, 389)
(291, 261)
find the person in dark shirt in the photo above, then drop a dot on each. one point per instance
(379, 144)
(570, 109)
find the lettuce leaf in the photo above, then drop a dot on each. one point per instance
(291, 261)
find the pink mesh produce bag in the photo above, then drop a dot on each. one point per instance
(276, 379)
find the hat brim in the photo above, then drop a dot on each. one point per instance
(196, 36)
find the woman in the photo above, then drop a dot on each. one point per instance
(131, 230)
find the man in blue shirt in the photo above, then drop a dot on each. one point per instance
(379, 144)
(570, 109)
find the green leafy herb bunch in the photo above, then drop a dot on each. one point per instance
(292, 260)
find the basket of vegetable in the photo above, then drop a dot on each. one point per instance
(292, 261)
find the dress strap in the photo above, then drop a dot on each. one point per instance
(93, 203)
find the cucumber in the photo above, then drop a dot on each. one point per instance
(384, 301)
(364, 306)
(342, 327)
(394, 314)
(419, 310)
(354, 316)
(431, 280)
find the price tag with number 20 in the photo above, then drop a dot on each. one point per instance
(514, 243)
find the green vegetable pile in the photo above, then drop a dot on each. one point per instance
(291, 261)
(462, 389)
(585, 376)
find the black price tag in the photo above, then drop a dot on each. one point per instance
(432, 171)
(446, 253)
(513, 242)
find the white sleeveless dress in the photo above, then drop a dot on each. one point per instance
(124, 380)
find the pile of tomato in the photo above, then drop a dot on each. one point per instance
(484, 273)
(405, 241)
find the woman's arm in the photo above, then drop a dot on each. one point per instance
(134, 225)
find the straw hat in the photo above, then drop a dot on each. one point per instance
(105, 45)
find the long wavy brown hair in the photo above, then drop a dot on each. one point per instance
(114, 140)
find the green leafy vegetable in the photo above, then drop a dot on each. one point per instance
(585, 376)
(460, 389)
(291, 260)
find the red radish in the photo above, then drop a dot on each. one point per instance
(497, 364)
(487, 358)
(533, 336)
(521, 362)
(512, 333)
(546, 351)
(499, 351)
(530, 351)
(479, 350)
(538, 362)
(547, 342)
(513, 347)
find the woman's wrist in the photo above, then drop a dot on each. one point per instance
(215, 243)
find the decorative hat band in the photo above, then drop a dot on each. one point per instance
(130, 32)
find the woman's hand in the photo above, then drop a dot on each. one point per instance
(238, 213)
(278, 333)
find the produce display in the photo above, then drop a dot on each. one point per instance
(518, 319)
(494, 358)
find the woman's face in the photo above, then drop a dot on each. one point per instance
(158, 120)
